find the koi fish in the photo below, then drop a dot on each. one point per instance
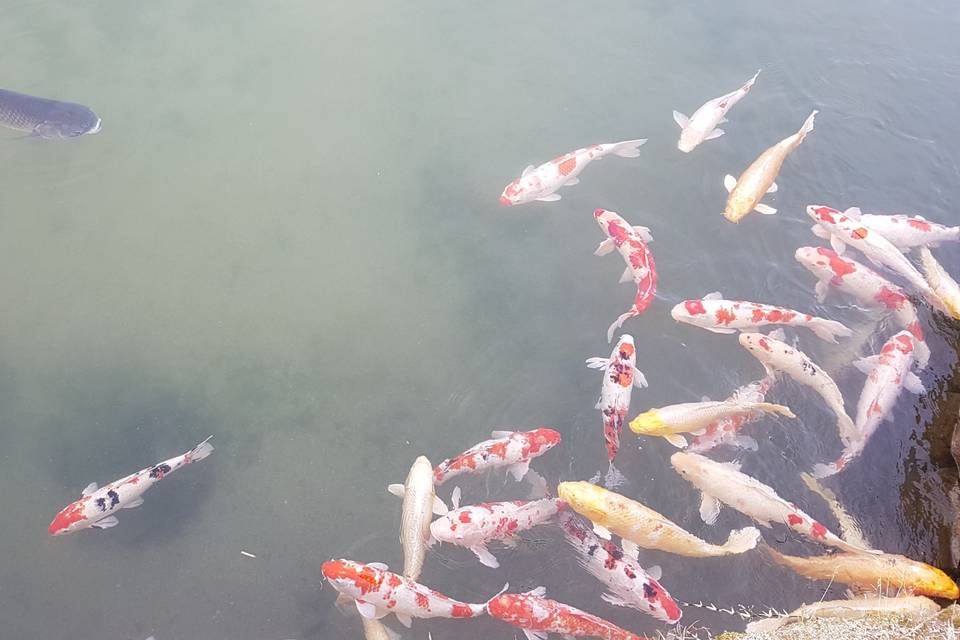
(379, 592)
(726, 430)
(628, 584)
(724, 482)
(713, 313)
(702, 126)
(97, 505)
(849, 528)
(511, 449)
(907, 232)
(867, 287)
(888, 373)
(944, 287)
(846, 228)
(776, 355)
(537, 617)
(640, 526)
(631, 242)
(694, 417)
(419, 504)
(868, 570)
(759, 178)
(620, 375)
(913, 608)
(477, 525)
(541, 183)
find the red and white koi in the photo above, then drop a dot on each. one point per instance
(477, 525)
(620, 375)
(702, 125)
(726, 430)
(759, 178)
(631, 242)
(541, 183)
(724, 482)
(846, 228)
(866, 286)
(628, 584)
(538, 616)
(98, 504)
(511, 449)
(776, 355)
(713, 313)
(379, 592)
(907, 232)
(888, 373)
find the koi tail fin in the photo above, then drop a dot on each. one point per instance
(627, 148)
(749, 84)
(741, 540)
(613, 478)
(632, 313)
(821, 471)
(502, 591)
(201, 451)
(922, 352)
(829, 330)
(807, 126)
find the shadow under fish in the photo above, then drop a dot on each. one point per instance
(45, 118)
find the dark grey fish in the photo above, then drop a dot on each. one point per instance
(46, 118)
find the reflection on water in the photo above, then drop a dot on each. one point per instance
(287, 234)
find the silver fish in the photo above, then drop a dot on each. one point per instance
(46, 118)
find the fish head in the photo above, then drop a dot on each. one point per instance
(524, 189)
(68, 120)
(585, 498)
(927, 580)
(814, 261)
(824, 215)
(70, 519)
(352, 578)
(759, 345)
(690, 311)
(420, 471)
(648, 423)
(738, 206)
(626, 350)
(689, 465)
(445, 529)
(689, 139)
(542, 439)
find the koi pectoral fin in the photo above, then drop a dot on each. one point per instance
(605, 247)
(553, 197)
(133, 504)
(486, 558)
(106, 523)
(765, 209)
(535, 635)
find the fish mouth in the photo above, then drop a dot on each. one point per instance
(505, 201)
(95, 128)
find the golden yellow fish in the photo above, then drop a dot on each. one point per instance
(870, 570)
(691, 417)
(759, 178)
(640, 526)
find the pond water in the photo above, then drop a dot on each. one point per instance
(287, 234)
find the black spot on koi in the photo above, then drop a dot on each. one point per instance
(159, 471)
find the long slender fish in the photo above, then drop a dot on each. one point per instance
(779, 356)
(726, 430)
(620, 375)
(537, 617)
(713, 313)
(845, 228)
(46, 118)
(511, 449)
(379, 592)
(907, 232)
(944, 287)
(419, 504)
(759, 178)
(870, 570)
(631, 242)
(724, 482)
(628, 584)
(97, 505)
(888, 373)
(702, 125)
(867, 287)
(913, 608)
(693, 417)
(640, 526)
(541, 183)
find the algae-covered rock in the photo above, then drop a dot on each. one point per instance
(874, 627)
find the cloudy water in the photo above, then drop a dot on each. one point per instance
(287, 235)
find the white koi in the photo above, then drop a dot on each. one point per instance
(419, 504)
(779, 356)
(759, 178)
(98, 504)
(907, 232)
(945, 288)
(702, 125)
(541, 183)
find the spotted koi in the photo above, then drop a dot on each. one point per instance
(726, 430)
(511, 449)
(538, 616)
(908, 232)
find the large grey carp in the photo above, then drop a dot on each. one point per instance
(46, 118)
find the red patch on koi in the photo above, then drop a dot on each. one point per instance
(859, 233)
(423, 601)
(757, 316)
(921, 225)
(725, 316)
(694, 307)
(567, 166)
(465, 517)
(818, 530)
(461, 611)
(793, 519)
(763, 343)
(825, 214)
